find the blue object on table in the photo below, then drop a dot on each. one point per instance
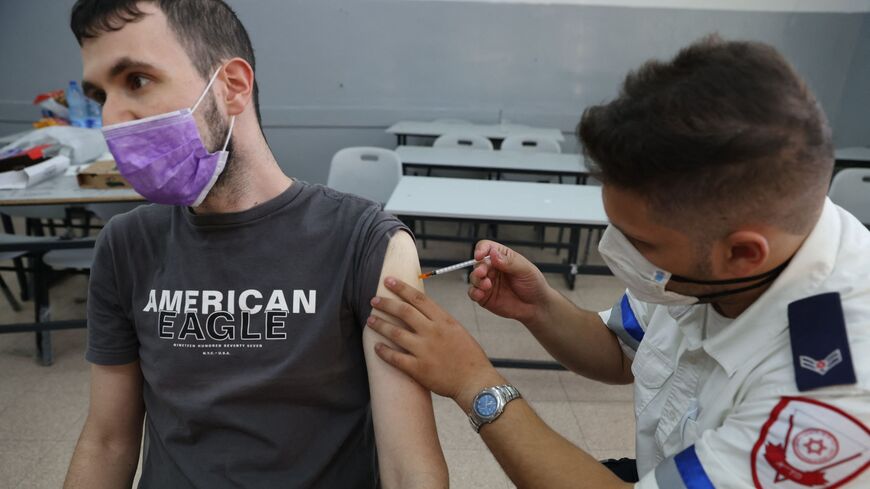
(83, 112)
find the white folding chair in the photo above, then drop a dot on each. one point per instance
(13, 256)
(372, 173)
(461, 140)
(35, 217)
(76, 259)
(531, 143)
(16, 256)
(850, 189)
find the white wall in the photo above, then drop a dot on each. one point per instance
(336, 73)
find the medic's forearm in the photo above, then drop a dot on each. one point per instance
(536, 457)
(579, 340)
(532, 454)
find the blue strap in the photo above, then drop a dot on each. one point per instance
(691, 470)
(629, 321)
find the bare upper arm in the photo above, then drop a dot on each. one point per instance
(116, 410)
(404, 422)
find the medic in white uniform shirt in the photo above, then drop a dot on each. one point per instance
(746, 324)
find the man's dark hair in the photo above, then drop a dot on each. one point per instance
(724, 134)
(209, 30)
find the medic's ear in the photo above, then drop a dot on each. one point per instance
(748, 251)
(238, 78)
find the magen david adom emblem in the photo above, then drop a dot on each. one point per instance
(807, 443)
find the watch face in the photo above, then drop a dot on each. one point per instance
(486, 405)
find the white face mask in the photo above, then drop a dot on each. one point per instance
(647, 282)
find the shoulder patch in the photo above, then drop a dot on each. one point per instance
(808, 443)
(819, 344)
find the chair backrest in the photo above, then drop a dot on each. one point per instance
(372, 173)
(850, 189)
(460, 140)
(531, 143)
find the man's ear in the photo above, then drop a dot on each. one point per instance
(238, 77)
(746, 253)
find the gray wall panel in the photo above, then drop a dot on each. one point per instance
(336, 73)
(853, 122)
(305, 153)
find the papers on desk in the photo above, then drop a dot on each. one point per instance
(34, 174)
(79, 144)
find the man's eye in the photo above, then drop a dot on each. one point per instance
(137, 82)
(98, 96)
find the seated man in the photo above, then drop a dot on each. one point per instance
(234, 314)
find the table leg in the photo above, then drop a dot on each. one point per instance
(472, 235)
(42, 311)
(588, 244)
(8, 228)
(573, 251)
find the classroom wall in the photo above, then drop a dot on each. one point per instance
(852, 125)
(337, 73)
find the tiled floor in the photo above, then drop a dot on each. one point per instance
(42, 409)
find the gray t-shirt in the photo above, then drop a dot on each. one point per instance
(248, 328)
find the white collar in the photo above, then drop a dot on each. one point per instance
(767, 317)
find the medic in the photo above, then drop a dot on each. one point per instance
(745, 325)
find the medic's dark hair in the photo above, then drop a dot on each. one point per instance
(725, 131)
(208, 30)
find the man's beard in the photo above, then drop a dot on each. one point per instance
(217, 133)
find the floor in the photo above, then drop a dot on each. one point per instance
(42, 409)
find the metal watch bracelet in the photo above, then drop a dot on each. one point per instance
(503, 394)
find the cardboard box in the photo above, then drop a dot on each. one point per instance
(101, 174)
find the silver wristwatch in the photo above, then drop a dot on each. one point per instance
(489, 403)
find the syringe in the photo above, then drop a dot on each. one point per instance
(452, 268)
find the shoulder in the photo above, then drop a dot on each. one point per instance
(401, 253)
(140, 224)
(323, 195)
(344, 210)
(143, 217)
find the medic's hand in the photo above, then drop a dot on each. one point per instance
(510, 285)
(438, 352)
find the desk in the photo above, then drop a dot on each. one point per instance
(35, 249)
(857, 157)
(64, 190)
(496, 132)
(498, 161)
(487, 201)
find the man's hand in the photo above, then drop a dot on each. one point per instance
(510, 285)
(441, 356)
(438, 351)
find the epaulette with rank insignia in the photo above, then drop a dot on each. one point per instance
(819, 344)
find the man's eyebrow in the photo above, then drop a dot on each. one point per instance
(126, 63)
(120, 66)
